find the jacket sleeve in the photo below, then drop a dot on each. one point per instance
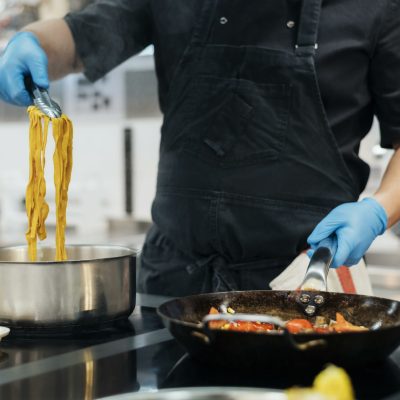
(108, 32)
(385, 75)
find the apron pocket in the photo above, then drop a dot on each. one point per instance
(224, 125)
(266, 131)
(163, 265)
(229, 122)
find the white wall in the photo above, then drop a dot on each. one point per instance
(97, 186)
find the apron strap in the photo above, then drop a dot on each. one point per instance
(308, 28)
(204, 23)
(306, 36)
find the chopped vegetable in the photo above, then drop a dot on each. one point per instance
(297, 325)
(341, 325)
(320, 321)
(216, 324)
(245, 326)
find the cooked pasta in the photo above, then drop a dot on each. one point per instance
(36, 207)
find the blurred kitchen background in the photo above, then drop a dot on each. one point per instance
(117, 122)
(116, 137)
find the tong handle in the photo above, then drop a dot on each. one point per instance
(37, 93)
(41, 98)
(315, 281)
(267, 319)
(331, 244)
(318, 268)
(207, 336)
(32, 88)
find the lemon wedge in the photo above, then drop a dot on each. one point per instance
(332, 383)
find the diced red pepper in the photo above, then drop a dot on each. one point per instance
(298, 325)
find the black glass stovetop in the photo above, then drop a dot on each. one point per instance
(140, 355)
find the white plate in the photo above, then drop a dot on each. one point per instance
(4, 331)
(205, 393)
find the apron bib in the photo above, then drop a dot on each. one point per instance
(248, 163)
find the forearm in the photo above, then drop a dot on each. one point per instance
(388, 194)
(56, 40)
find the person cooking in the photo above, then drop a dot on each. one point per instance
(265, 104)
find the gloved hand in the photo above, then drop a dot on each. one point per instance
(23, 56)
(355, 225)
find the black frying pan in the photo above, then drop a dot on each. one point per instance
(184, 318)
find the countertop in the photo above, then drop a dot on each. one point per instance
(140, 355)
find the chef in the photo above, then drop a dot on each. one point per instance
(265, 104)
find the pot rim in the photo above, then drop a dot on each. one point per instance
(129, 253)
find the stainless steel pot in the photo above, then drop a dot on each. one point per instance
(97, 284)
(206, 393)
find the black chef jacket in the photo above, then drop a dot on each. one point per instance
(357, 61)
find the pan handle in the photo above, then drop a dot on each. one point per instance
(268, 319)
(304, 346)
(205, 337)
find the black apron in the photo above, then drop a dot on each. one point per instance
(248, 164)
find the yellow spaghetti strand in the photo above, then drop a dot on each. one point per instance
(36, 207)
(62, 133)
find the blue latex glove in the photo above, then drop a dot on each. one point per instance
(23, 56)
(355, 225)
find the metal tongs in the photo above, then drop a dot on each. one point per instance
(206, 334)
(42, 99)
(315, 280)
(309, 295)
